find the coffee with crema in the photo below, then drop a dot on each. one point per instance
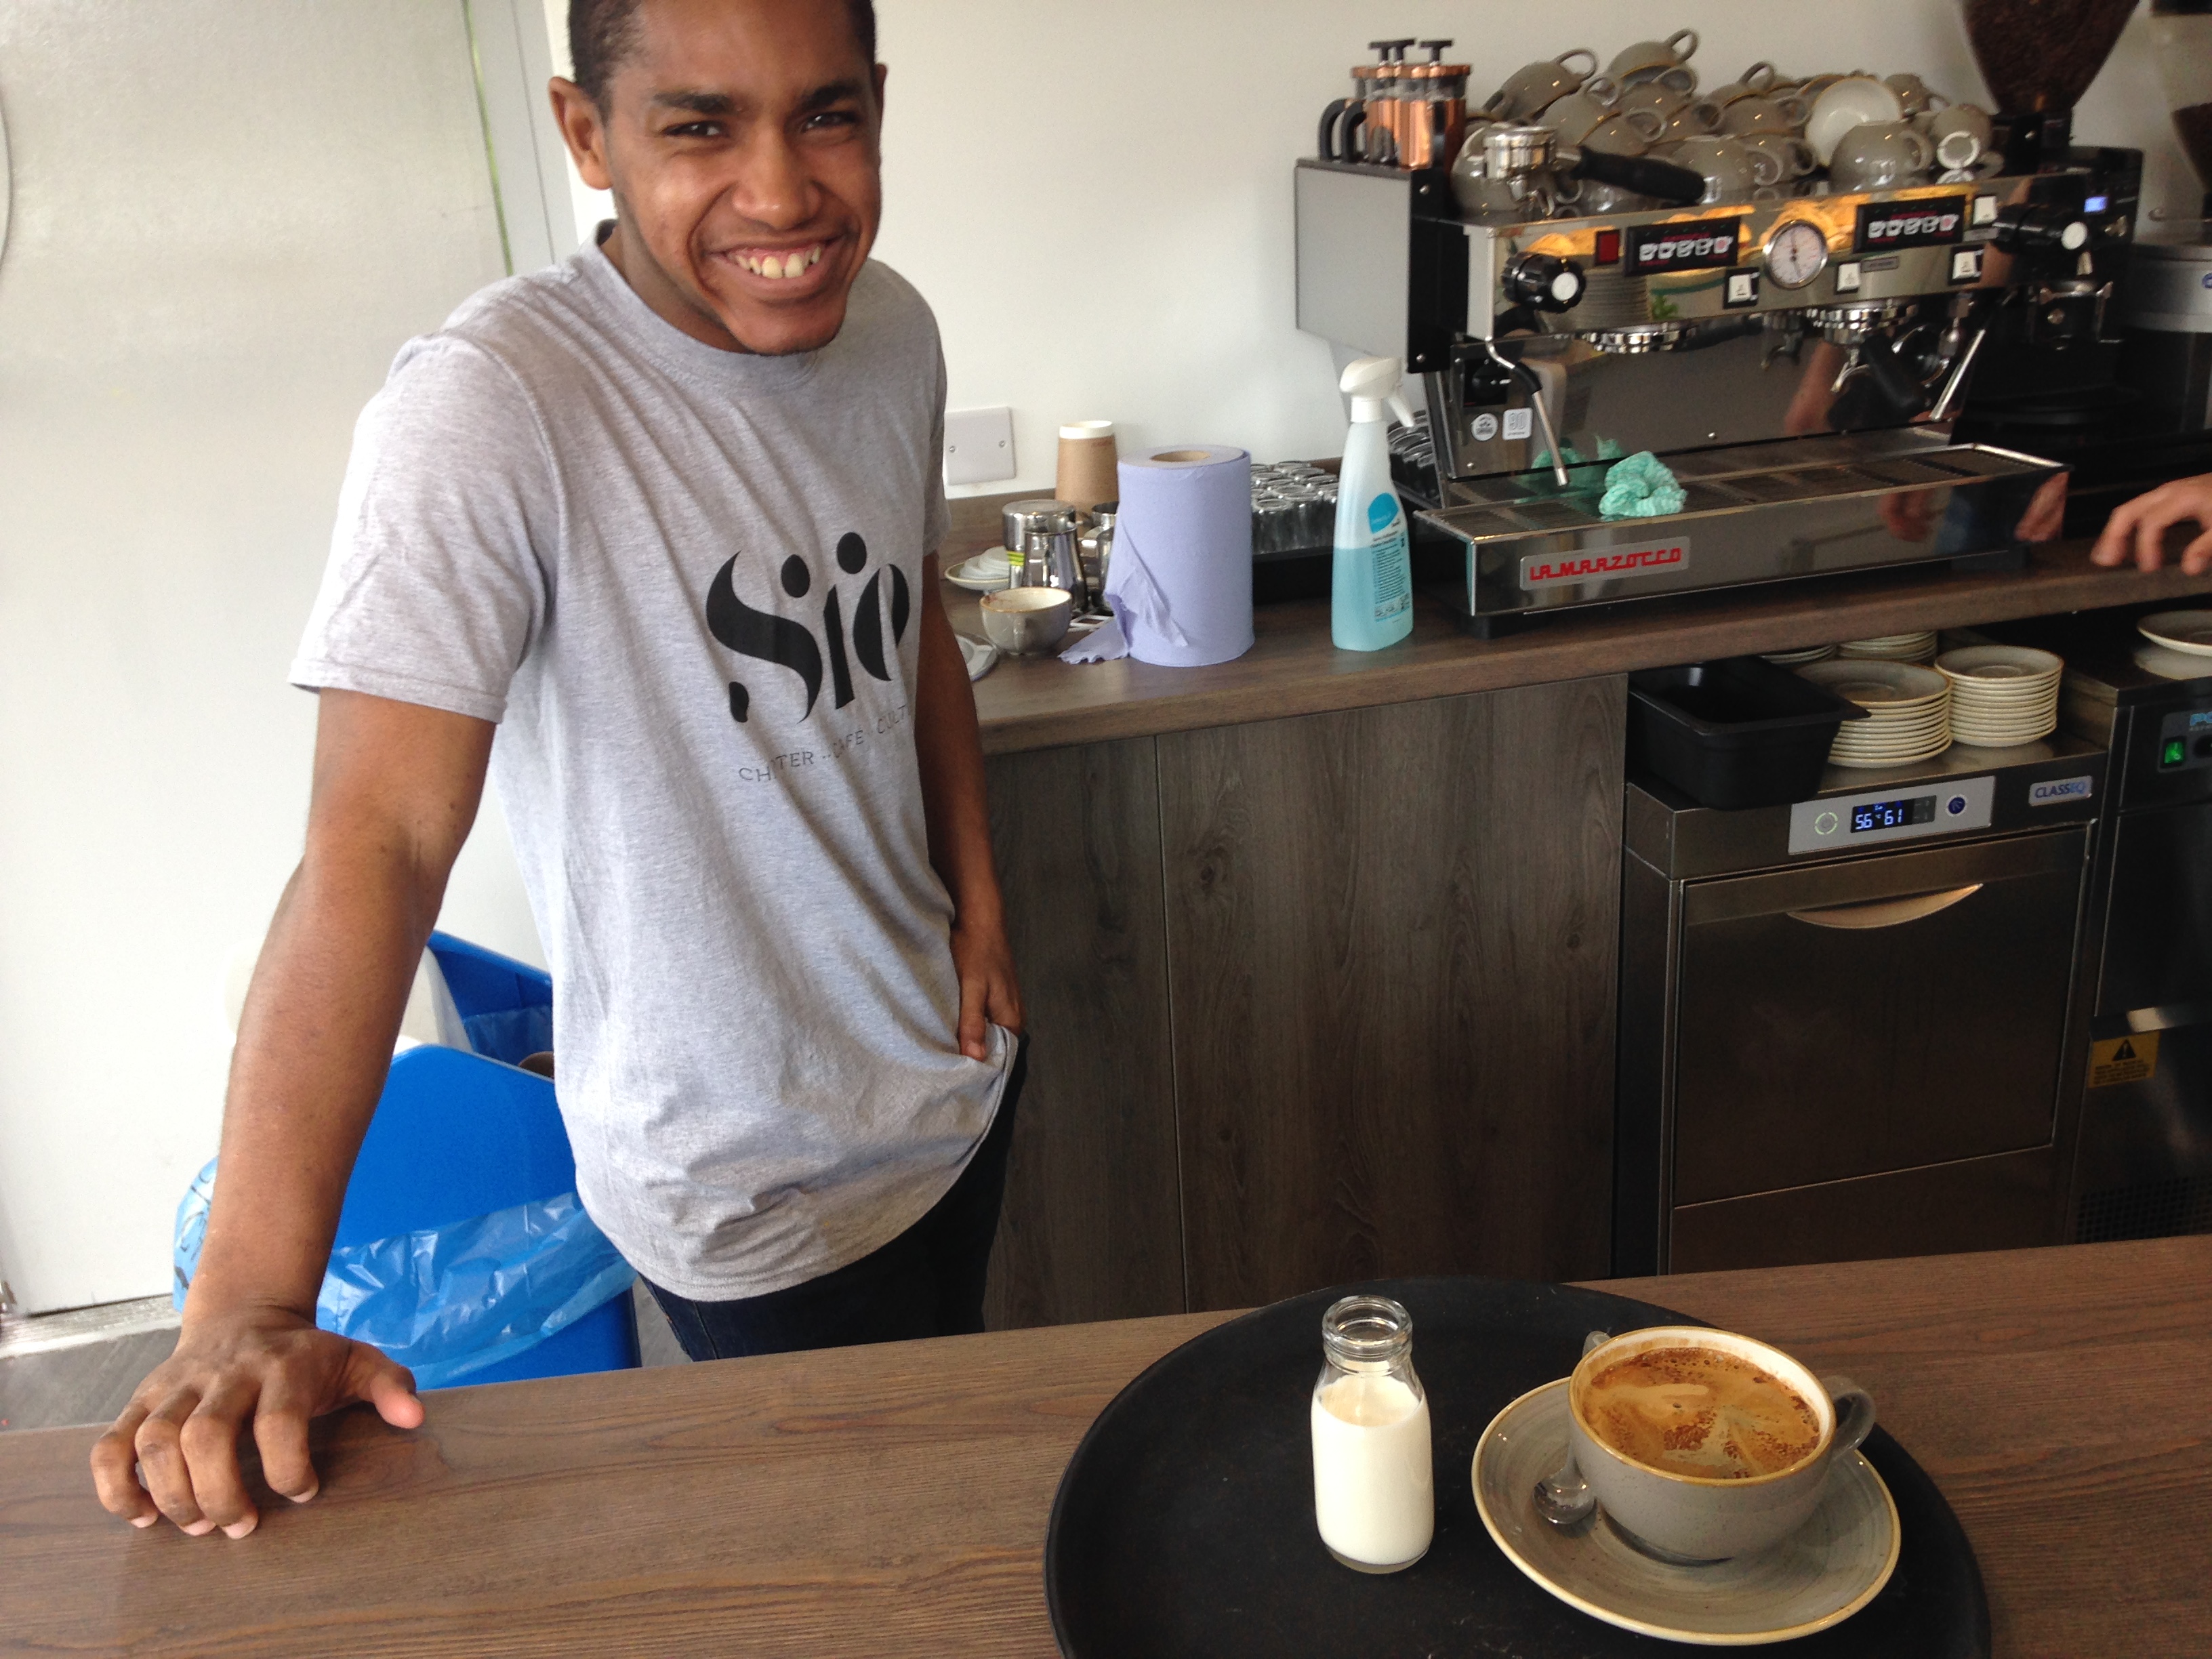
(1700, 1411)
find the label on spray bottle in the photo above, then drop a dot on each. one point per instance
(1393, 576)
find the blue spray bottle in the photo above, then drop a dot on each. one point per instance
(1371, 583)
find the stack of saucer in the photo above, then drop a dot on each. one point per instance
(1792, 658)
(2001, 695)
(1892, 648)
(1909, 709)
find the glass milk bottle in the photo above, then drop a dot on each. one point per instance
(1374, 1490)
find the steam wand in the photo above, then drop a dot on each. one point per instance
(1529, 378)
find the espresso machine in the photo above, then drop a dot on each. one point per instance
(1821, 370)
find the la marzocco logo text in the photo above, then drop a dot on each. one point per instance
(1654, 558)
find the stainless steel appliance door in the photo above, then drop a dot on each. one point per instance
(2158, 937)
(1886, 1013)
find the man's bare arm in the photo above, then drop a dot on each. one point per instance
(396, 788)
(950, 751)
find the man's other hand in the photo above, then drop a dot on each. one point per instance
(267, 1366)
(988, 990)
(2141, 525)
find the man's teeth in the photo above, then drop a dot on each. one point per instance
(797, 263)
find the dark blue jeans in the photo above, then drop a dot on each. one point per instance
(928, 1282)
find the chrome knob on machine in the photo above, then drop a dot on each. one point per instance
(1544, 281)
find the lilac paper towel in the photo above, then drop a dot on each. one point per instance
(1180, 578)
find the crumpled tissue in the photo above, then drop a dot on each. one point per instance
(1641, 487)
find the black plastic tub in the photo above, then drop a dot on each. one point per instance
(1736, 733)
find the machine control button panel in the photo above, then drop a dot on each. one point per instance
(2184, 740)
(1902, 811)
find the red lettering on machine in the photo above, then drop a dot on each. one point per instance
(1605, 563)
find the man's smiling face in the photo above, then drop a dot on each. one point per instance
(742, 141)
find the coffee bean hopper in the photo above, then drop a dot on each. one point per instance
(1807, 361)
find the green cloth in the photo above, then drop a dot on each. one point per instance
(1641, 487)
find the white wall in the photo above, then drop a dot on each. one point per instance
(227, 215)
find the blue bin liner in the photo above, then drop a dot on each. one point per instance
(447, 1301)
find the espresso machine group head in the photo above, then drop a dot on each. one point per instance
(1798, 361)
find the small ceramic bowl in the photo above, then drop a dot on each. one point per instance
(1023, 622)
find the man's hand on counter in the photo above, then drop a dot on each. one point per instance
(180, 1430)
(2140, 526)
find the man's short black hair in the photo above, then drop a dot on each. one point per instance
(601, 31)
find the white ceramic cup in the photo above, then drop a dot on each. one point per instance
(1647, 60)
(1879, 155)
(1704, 1518)
(1025, 621)
(1759, 80)
(1939, 123)
(1916, 94)
(1534, 88)
(1783, 113)
(1731, 172)
(1791, 153)
(1853, 101)
(1595, 101)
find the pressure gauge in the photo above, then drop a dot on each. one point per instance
(1796, 253)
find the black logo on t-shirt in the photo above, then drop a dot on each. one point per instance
(766, 637)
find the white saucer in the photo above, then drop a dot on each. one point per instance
(1891, 687)
(1820, 1576)
(2167, 664)
(2186, 631)
(986, 573)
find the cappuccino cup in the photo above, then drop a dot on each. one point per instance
(1650, 60)
(1702, 1445)
(1534, 88)
(1597, 100)
(1732, 173)
(1791, 153)
(1783, 113)
(1879, 155)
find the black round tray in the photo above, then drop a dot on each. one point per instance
(1184, 1522)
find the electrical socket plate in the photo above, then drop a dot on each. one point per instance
(979, 445)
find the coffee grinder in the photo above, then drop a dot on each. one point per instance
(2048, 376)
(2165, 301)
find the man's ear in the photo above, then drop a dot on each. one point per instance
(582, 130)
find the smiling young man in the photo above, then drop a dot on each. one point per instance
(664, 519)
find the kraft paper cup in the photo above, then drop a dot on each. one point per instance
(1089, 465)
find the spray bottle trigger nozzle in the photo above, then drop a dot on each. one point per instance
(1400, 408)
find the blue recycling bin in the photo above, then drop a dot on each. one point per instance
(460, 1135)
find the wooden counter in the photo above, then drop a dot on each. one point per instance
(1038, 703)
(893, 1500)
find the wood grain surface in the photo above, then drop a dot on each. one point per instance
(1390, 941)
(1092, 1226)
(893, 1500)
(1293, 669)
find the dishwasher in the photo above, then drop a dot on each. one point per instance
(1846, 1022)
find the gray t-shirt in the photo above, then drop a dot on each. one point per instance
(687, 583)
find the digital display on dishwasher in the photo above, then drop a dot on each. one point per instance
(1890, 814)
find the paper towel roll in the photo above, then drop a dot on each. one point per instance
(1181, 578)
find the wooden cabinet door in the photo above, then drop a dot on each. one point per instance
(1092, 1226)
(1391, 940)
